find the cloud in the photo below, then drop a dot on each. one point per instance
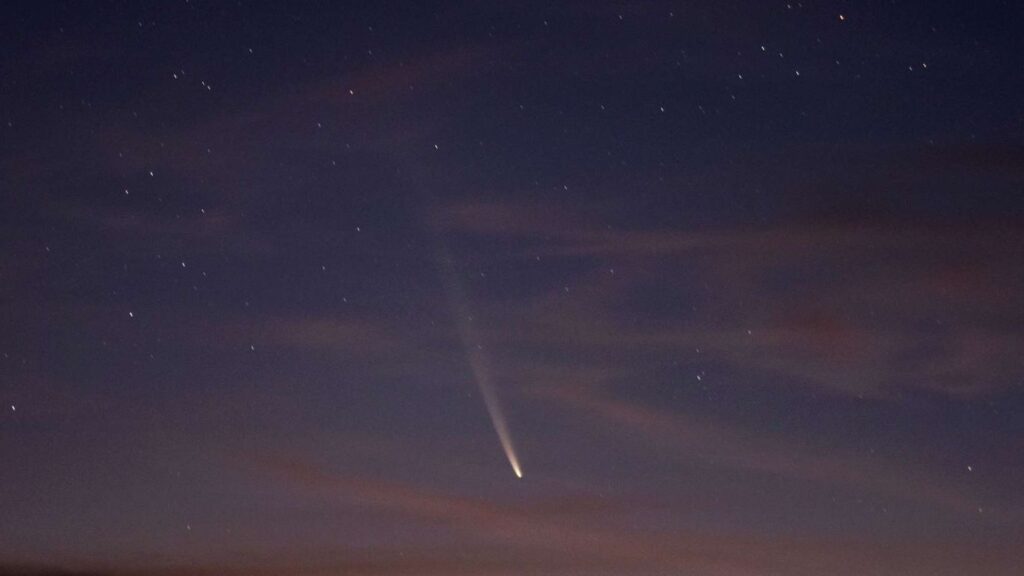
(866, 310)
(517, 525)
(532, 540)
(350, 336)
(692, 438)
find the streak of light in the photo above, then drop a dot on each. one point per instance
(477, 357)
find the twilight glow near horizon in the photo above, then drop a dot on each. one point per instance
(732, 287)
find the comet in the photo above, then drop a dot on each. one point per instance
(477, 357)
(481, 373)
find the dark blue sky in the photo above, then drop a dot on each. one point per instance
(745, 279)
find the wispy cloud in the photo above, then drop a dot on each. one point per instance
(536, 541)
(852, 309)
(688, 437)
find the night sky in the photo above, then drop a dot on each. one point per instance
(300, 288)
